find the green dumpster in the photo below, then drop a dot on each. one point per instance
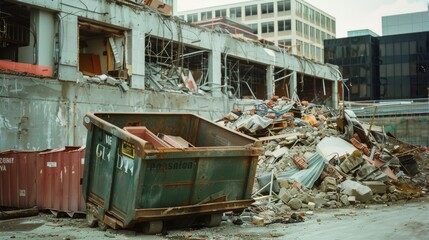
(149, 168)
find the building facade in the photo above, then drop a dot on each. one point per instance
(60, 59)
(405, 23)
(382, 68)
(292, 24)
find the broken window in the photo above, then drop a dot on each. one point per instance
(101, 51)
(244, 79)
(19, 41)
(173, 67)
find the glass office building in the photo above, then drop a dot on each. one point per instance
(382, 68)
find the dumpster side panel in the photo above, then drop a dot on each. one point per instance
(194, 179)
(18, 179)
(59, 174)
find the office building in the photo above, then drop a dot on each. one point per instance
(292, 24)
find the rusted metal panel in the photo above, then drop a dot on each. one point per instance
(59, 174)
(18, 178)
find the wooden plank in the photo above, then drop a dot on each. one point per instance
(279, 136)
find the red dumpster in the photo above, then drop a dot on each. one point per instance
(18, 178)
(59, 173)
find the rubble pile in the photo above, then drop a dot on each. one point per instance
(316, 157)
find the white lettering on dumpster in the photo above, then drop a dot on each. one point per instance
(3, 162)
(6, 160)
(125, 164)
(102, 152)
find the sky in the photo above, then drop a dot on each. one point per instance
(349, 14)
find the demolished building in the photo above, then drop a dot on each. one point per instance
(61, 59)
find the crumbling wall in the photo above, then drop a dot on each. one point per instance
(38, 114)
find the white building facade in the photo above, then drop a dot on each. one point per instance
(293, 24)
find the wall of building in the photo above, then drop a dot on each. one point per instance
(38, 114)
(405, 23)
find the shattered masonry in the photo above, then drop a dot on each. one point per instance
(324, 158)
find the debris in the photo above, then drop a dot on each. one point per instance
(317, 157)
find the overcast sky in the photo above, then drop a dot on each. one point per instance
(349, 14)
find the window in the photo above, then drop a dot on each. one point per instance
(235, 12)
(267, 27)
(328, 24)
(298, 9)
(254, 28)
(283, 5)
(333, 27)
(206, 15)
(305, 30)
(312, 33)
(284, 25)
(311, 15)
(285, 43)
(220, 13)
(318, 39)
(323, 21)
(267, 8)
(317, 18)
(298, 26)
(305, 12)
(192, 17)
(251, 10)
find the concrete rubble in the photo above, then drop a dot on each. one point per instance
(316, 157)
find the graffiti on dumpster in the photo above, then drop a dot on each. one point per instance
(125, 164)
(103, 149)
(125, 160)
(3, 162)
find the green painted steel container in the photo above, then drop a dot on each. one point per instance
(131, 178)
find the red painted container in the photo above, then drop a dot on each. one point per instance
(59, 174)
(18, 178)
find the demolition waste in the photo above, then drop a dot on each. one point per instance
(316, 157)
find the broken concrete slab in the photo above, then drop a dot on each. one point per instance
(360, 191)
(376, 186)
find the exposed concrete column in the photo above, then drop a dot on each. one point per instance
(293, 86)
(69, 47)
(270, 81)
(214, 72)
(45, 26)
(334, 93)
(136, 58)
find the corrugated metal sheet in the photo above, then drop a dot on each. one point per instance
(18, 178)
(59, 173)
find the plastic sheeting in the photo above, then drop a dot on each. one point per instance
(334, 146)
(307, 177)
